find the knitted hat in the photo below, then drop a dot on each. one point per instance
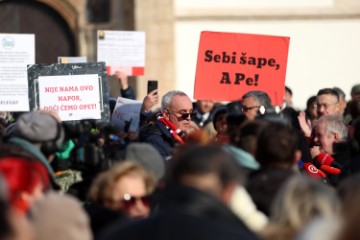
(148, 157)
(60, 217)
(39, 127)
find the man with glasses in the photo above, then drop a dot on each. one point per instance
(252, 101)
(327, 102)
(171, 124)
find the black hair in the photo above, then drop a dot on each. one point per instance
(203, 159)
(276, 145)
(329, 91)
(287, 89)
(310, 101)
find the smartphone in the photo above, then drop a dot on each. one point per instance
(152, 85)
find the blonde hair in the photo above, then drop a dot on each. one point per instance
(298, 202)
(103, 186)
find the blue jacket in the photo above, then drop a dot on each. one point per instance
(128, 93)
(160, 137)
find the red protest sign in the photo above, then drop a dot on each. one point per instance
(231, 64)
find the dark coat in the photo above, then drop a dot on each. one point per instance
(128, 93)
(159, 136)
(101, 217)
(264, 184)
(198, 117)
(186, 213)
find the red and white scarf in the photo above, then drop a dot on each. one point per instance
(176, 132)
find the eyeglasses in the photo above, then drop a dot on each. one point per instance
(129, 201)
(245, 109)
(184, 115)
(325, 106)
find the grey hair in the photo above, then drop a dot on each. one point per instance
(334, 124)
(317, 200)
(167, 99)
(340, 92)
(261, 97)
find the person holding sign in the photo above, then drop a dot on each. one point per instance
(125, 90)
(171, 124)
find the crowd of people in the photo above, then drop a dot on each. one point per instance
(196, 170)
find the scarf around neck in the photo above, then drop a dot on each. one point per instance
(176, 132)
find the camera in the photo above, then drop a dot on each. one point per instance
(96, 147)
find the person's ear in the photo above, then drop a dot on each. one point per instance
(337, 107)
(336, 137)
(166, 114)
(228, 192)
(25, 198)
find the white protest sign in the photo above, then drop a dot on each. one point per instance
(126, 112)
(122, 50)
(16, 52)
(73, 97)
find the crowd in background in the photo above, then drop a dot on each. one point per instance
(196, 170)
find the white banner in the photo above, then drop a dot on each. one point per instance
(122, 50)
(16, 52)
(73, 97)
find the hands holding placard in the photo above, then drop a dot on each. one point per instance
(125, 89)
(122, 79)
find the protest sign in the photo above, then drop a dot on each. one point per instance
(16, 51)
(72, 59)
(126, 115)
(122, 51)
(73, 97)
(231, 64)
(75, 91)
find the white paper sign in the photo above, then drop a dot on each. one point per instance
(122, 50)
(73, 97)
(126, 112)
(16, 52)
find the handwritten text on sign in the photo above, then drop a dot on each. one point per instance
(73, 97)
(231, 64)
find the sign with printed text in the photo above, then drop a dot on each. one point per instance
(73, 97)
(122, 51)
(231, 64)
(126, 114)
(16, 52)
